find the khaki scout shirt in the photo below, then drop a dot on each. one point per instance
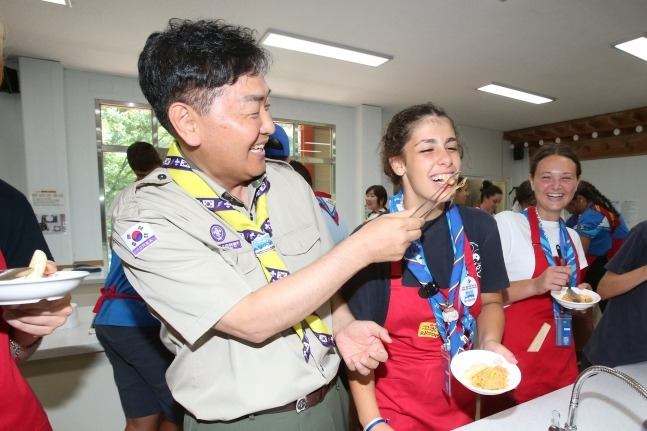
(192, 268)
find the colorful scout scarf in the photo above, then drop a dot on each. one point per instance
(567, 251)
(259, 236)
(565, 244)
(447, 317)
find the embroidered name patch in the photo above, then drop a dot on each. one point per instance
(139, 237)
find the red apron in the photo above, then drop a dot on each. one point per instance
(549, 369)
(19, 408)
(408, 386)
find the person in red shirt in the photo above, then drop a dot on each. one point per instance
(432, 302)
(23, 326)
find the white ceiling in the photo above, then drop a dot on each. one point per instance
(443, 49)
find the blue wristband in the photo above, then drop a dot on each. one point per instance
(369, 426)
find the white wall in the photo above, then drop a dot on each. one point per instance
(44, 132)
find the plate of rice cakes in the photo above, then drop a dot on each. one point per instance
(588, 298)
(485, 372)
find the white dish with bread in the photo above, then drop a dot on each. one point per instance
(35, 286)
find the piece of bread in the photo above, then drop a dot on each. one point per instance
(39, 263)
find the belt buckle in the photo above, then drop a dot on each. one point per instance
(301, 404)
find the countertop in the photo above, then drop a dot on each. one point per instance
(605, 403)
(70, 341)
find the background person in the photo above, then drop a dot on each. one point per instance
(336, 224)
(130, 337)
(376, 199)
(625, 287)
(541, 255)
(601, 229)
(278, 145)
(231, 252)
(491, 196)
(462, 193)
(523, 196)
(420, 143)
(23, 326)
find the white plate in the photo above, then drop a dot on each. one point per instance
(465, 360)
(558, 294)
(54, 286)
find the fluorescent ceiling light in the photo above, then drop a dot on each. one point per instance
(506, 91)
(61, 2)
(637, 47)
(325, 49)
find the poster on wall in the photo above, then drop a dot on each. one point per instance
(50, 210)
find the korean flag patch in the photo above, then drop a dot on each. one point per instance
(139, 237)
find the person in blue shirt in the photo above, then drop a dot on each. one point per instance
(619, 337)
(601, 229)
(130, 336)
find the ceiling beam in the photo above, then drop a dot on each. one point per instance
(618, 134)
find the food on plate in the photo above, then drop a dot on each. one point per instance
(583, 298)
(487, 377)
(38, 263)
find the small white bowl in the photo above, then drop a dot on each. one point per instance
(559, 296)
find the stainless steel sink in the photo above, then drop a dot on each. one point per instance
(570, 424)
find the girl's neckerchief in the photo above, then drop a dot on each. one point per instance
(565, 245)
(259, 236)
(447, 318)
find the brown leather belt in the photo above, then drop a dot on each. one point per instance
(303, 403)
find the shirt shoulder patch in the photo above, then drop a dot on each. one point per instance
(139, 237)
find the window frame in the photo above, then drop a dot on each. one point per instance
(101, 148)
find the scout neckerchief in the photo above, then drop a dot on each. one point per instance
(446, 315)
(614, 221)
(568, 257)
(327, 204)
(259, 236)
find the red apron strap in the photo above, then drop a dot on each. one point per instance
(110, 293)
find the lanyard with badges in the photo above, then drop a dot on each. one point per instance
(259, 236)
(446, 315)
(568, 257)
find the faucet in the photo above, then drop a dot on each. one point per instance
(570, 425)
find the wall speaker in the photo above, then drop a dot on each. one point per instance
(517, 153)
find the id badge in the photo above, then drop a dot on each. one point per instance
(446, 358)
(563, 332)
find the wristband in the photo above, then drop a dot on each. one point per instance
(17, 349)
(369, 426)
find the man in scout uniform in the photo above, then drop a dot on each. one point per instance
(232, 254)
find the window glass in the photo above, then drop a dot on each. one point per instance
(313, 144)
(119, 124)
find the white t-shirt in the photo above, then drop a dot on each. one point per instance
(516, 242)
